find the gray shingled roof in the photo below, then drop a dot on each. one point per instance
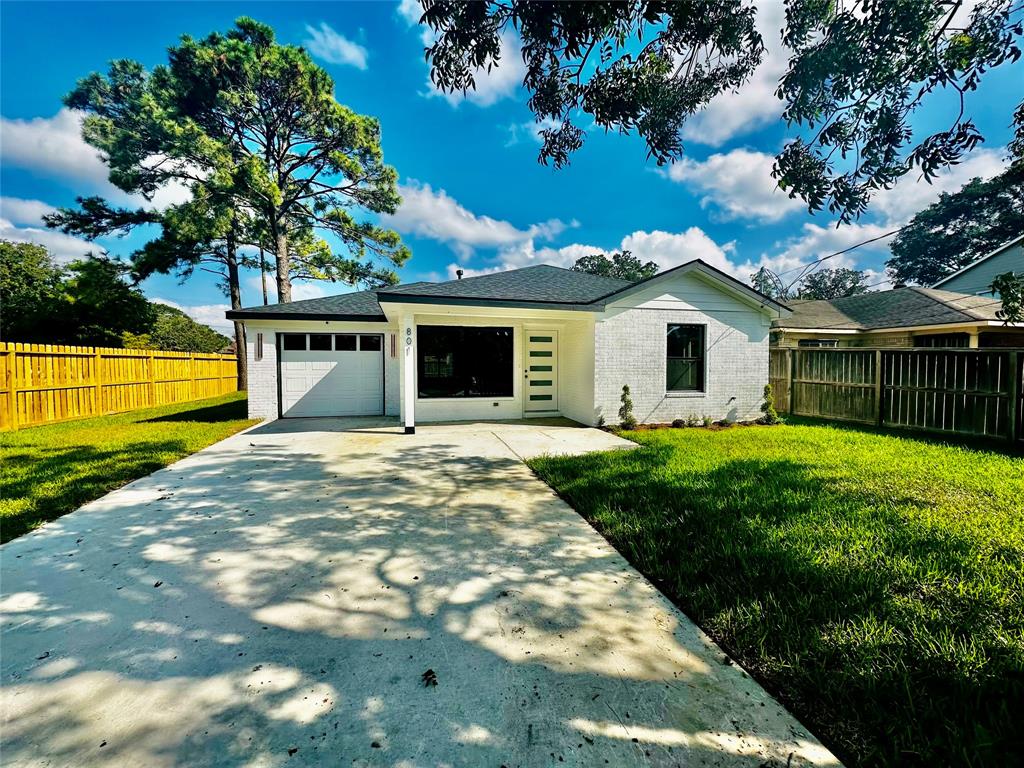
(898, 308)
(540, 283)
(358, 305)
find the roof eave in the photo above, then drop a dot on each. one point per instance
(462, 301)
(244, 315)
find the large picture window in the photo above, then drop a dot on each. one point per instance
(684, 368)
(464, 361)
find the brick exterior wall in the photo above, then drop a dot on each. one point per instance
(630, 348)
(262, 374)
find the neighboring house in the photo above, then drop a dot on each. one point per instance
(976, 278)
(533, 342)
(902, 317)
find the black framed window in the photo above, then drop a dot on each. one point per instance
(345, 342)
(684, 365)
(294, 342)
(464, 361)
(369, 343)
(320, 342)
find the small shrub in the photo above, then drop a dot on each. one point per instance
(678, 423)
(626, 418)
(693, 421)
(771, 416)
(600, 421)
(708, 421)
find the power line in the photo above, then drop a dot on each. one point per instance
(845, 250)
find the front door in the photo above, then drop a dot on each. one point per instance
(540, 382)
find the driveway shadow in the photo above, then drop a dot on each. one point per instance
(278, 598)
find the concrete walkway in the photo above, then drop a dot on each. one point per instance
(278, 599)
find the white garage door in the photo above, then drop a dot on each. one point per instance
(332, 374)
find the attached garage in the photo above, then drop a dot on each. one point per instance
(331, 374)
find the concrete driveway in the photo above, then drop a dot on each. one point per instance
(279, 599)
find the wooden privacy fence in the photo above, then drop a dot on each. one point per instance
(43, 384)
(964, 391)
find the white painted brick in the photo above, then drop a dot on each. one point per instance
(630, 348)
(262, 374)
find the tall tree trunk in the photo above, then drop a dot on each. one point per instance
(235, 291)
(263, 274)
(284, 282)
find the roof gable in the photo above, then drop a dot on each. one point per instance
(979, 261)
(710, 274)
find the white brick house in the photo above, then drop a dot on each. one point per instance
(534, 342)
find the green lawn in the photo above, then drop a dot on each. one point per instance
(874, 583)
(49, 471)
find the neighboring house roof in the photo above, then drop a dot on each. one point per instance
(898, 308)
(1008, 244)
(542, 286)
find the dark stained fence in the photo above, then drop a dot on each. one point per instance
(962, 391)
(948, 391)
(834, 381)
(779, 362)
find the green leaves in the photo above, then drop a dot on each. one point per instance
(1010, 288)
(856, 76)
(858, 70)
(253, 129)
(833, 284)
(624, 266)
(959, 228)
(582, 58)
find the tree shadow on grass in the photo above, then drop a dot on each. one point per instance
(887, 635)
(966, 442)
(55, 481)
(210, 414)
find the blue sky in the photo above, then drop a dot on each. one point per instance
(475, 197)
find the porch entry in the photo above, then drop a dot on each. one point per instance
(540, 372)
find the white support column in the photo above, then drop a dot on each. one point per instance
(407, 388)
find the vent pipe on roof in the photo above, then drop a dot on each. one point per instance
(458, 274)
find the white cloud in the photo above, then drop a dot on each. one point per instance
(670, 249)
(438, 216)
(53, 147)
(63, 248)
(20, 211)
(739, 184)
(491, 87)
(816, 241)
(499, 83)
(324, 43)
(754, 104)
(301, 290)
(410, 10)
(912, 193)
(529, 131)
(207, 314)
(889, 210)
(666, 249)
